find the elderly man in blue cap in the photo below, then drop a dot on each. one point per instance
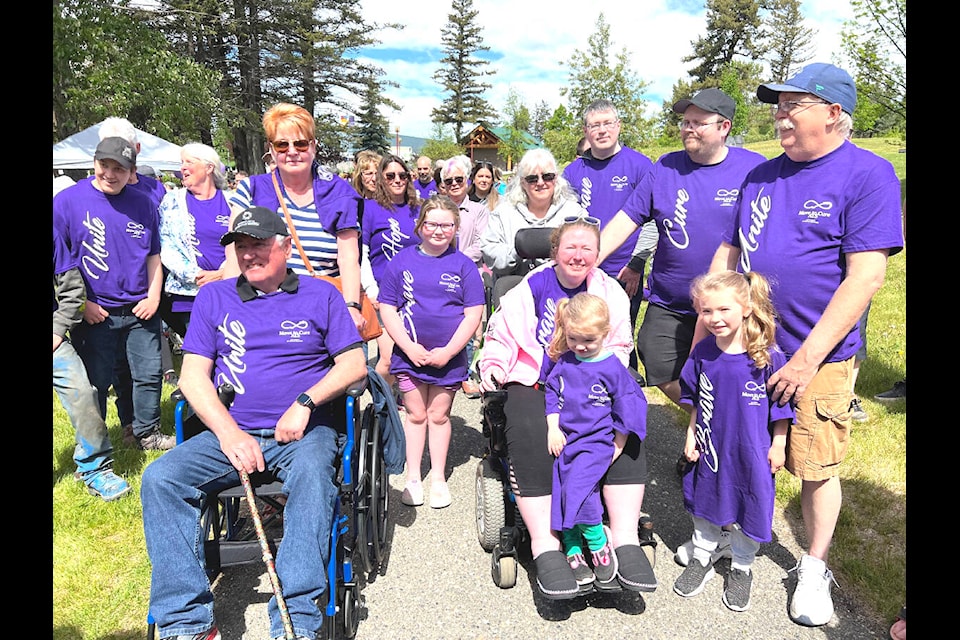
(819, 221)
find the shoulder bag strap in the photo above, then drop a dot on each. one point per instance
(290, 226)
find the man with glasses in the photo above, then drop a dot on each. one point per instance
(603, 178)
(819, 221)
(425, 184)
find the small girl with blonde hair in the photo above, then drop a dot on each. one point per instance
(593, 403)
(737, 435)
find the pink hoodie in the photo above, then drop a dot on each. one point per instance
(511, 352)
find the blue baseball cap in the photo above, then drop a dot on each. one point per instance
(823, 80)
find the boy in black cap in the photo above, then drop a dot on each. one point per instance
(113, 234)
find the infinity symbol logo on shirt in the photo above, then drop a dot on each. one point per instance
(291, 324)
(723, 193)
(813, 204)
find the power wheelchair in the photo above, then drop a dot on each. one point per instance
(500, 528)
(358, 539)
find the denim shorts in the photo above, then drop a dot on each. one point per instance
(819, 437)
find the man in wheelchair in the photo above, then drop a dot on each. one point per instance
(288, 346)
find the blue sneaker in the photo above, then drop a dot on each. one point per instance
(107, 485)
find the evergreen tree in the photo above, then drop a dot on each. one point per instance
(788, 41)
(593, 75)
(461, 70)
(373, 130)
(733, 29)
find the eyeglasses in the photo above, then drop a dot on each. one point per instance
(450, 181)
(430, 226)
(696, 126)
(281, 146)
(534, 178)
(588, 219)
(596, 126)
(789, 106)
(391, 175)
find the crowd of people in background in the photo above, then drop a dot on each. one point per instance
(146, 255)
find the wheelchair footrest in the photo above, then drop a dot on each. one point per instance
(237, 552)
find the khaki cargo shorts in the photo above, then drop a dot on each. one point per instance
(819, 437)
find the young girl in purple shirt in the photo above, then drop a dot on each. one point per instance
(593, 403)
(737, 435)
(431, 302)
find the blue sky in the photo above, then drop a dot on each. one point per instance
(531, 42)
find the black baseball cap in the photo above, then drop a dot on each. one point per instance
(119, 149)
(257, 222)
(712, 100)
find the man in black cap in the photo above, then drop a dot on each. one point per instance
(113, 233)
(288, 346)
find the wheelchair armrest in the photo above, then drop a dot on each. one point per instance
(356, 390)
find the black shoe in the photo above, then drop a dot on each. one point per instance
(555, 577)
(898, 392)
(693, 579)
(581, 570)
(736, 595)
(633, 569)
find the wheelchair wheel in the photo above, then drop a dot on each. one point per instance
(351, 611)
(364, 505)
(491, 511)
(503, 569)
(379, 492)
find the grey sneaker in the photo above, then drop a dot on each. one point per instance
(685, 551)
(857, 414)
(581, 570)
(736, 595)
(812, 604)
(156, 441)
(605, 564)
(693, 579)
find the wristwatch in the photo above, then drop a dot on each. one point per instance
(355, 305)
(306, 401)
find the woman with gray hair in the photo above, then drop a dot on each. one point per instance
(192, 219)
(537, 196)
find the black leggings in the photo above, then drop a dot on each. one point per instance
(532, 463)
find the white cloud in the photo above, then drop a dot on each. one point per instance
(533, 42)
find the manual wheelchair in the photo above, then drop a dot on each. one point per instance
(358, 539)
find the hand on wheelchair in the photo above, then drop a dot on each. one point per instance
(491, 382)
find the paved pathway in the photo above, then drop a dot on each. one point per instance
(438, 585)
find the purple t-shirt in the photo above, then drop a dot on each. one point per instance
(430, 294)
(150, 187)
(692, 204)
(211, 219)
(271, 348)
(731, 482)
(602, 187)
(594, 398)
(385, 233)
(111, 238)
(426, 190)
(795, 223)
(547, 291)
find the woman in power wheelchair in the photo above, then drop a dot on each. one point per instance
(517, 470)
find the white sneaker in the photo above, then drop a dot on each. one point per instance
(812, 604)
(685, 551)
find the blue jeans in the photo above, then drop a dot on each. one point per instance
(99, 345)
(93, 453)
(175, 485)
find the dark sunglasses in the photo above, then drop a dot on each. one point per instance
(450, 181)
(533, 178)
(281, 146)
(391, 175)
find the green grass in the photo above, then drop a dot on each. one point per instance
(101, 573)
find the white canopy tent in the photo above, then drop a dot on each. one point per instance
(76, 152)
